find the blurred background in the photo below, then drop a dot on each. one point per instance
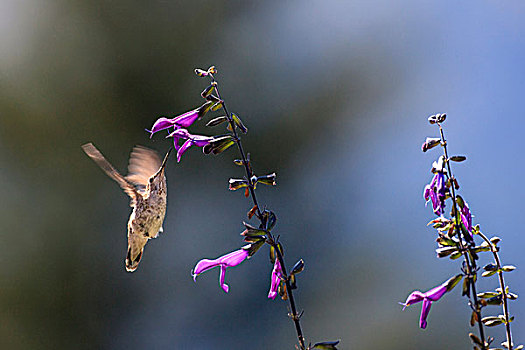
(336, 96)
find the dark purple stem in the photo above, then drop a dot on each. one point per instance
(470, 263)
(494, 251)
(249, 174)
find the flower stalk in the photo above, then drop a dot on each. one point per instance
(469, 256)
(294, 315)
(494, 249)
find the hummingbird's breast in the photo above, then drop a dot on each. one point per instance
(150, 212)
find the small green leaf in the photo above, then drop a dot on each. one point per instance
(488, 273)
(267, 179)
(235, 184)
(254, 247)
(486, 295)
(218, 145)
(273, 256)
(217, 121)
(217, 105)
(456, 256)
(508, 268)
(239, 123)
(209, 90)
(453, 281)
(490, 267)
(497, 300)
(491, 321)
(204, 108)
(213, 99)
(298, 267)
(327, 345)
(475, 339)
(445, 251)
(443, 241)
(458, 158)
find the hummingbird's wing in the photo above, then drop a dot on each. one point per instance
(98, 158)
(143, 164)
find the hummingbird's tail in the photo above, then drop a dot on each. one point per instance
(133, 262)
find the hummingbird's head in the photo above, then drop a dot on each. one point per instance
(157, 183)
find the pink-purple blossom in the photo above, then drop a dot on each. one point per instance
(277, 273)
(436, 192)
(427, 298)
(182, 121)
(197, 140)
(229, 260)
(466, 217)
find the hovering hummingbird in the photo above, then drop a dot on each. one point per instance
(146, 185)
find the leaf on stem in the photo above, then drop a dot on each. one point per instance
(491, 321)
(327, 345)
(267, 179)
(218, 105)
(298, 267)
(218, 145)
(239, 123)
(209, 90)
(475, 339)
(235, 184)
(508, 268)
(217, 121)
(458, 158)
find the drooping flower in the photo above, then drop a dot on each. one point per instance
(197, 140)
(432, 295)
(277, 273)
(466, 217)
(436, 192)
(229, 260)
(182, 121)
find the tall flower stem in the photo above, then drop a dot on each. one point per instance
(506, 313)
(470, 262)
(249, 174)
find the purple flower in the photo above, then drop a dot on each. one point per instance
(432, 295)
(466, 217)
(277, 273)
(197, 140)
(436, 192)
(181, 121)
(228, 260)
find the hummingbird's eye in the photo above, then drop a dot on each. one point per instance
(150, 180)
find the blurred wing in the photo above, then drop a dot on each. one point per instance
(98, 158)
(143, 164)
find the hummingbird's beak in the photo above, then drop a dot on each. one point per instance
(165, 160)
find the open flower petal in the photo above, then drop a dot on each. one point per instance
(430, 296)
(425, 309)
(275, 279)
(229, 260)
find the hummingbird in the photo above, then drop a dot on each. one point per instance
(145, 184)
